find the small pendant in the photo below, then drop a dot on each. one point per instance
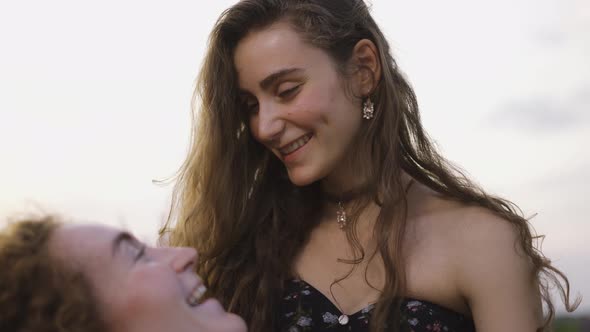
(343, 319)
(341, 216)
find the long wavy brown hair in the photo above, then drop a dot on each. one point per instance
(233, 200)
(37, 291)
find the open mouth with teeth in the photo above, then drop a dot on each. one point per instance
(195, 296)
(300, 142)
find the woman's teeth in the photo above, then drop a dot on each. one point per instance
(196, 295)
(295, 145)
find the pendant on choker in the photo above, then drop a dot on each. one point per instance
(341, 218)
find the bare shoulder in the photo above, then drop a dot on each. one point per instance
(484, 242)
(466, 230)
(488, 265)
(494, 274)
(460, 226)
(479, 230)
(478, 242)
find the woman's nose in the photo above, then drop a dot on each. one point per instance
(183, 258)
(269, 124)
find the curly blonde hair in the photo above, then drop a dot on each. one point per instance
(37, 291)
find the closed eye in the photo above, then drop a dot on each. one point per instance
(252, 107)
(289, 92)
(140, 253)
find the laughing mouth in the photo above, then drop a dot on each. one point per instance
(292, 147)
(196, 295)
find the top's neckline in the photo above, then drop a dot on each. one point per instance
(408, 301)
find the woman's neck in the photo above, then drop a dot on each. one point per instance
(342, 182)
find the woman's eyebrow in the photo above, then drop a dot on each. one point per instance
(119, 239)
(272, 78)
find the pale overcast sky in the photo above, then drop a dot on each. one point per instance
(95, 101)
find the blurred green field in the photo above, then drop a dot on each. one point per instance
(580, 324)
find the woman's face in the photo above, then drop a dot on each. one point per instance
(298, 102)
(141, 288)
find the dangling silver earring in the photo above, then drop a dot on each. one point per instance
(368, 109)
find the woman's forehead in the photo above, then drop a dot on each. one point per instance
(272, 49)
(83, 242)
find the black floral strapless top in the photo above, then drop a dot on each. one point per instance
(304, 308)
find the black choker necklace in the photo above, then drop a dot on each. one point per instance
(346, 196)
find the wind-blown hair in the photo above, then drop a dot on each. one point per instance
(37, 291)
(233, 199)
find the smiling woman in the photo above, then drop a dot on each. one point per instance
(318, 202)
(71, 278)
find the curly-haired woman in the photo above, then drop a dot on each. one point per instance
(57, 277)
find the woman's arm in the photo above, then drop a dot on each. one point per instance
(495, 276)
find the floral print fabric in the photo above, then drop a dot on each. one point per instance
(305, 309)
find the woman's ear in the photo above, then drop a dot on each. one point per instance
(365, 57)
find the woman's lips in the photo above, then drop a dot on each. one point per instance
(296, 145)
(295, 149)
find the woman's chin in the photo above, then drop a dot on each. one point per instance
(211, 317)
(301, 181)
(235, 323)
(300, 178)
(227, 322)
